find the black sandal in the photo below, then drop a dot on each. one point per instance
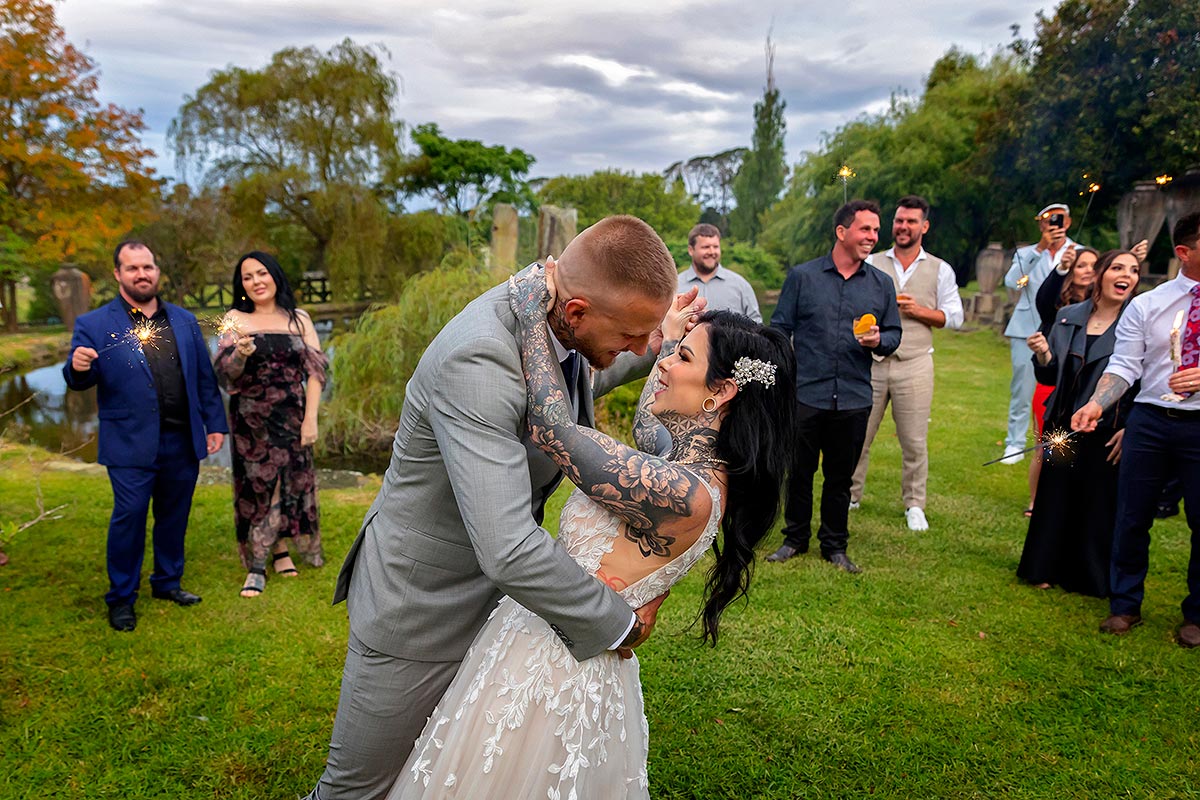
(256, 581)
(276, 557)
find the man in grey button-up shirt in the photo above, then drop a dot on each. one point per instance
(722, 288)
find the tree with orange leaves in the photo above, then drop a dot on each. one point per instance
(73, 172)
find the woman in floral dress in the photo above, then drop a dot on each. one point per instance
(270, 361)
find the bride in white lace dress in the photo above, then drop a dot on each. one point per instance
(523, 718)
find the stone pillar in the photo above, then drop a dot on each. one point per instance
(504, 236)
(72, 291)
(1140, 214)
(989, 271)
(556, 228)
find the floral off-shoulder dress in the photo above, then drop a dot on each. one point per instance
(266, 407)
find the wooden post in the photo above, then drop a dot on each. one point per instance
(504, 236)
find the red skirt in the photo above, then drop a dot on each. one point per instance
(1041, 393)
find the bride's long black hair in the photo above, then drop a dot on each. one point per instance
(756, 440)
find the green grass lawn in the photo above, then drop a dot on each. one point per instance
(935, 673)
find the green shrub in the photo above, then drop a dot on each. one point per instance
(615, 411)
(372, 364)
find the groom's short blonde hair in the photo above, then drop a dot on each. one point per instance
(621, 254)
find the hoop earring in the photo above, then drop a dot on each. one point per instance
(708, 400)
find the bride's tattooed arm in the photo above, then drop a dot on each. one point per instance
(648, 433)
(644, 490)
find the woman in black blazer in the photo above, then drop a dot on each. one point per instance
(1070, 534)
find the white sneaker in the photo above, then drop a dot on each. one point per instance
(1012, 455)
(853, 504)
(916, 519)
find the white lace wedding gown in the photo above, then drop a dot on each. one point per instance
(523, 718)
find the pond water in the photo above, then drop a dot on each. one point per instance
(63, 421)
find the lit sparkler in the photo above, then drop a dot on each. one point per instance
(142, 335)
(1092, 188)
(1056, 442)
(845, 173)
(1163, 180)
(226, 325)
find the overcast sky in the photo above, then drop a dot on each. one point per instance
(580, 86)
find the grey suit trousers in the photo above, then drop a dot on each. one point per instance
(381, 711)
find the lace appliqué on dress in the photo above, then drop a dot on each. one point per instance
(525, 715)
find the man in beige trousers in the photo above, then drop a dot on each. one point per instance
(927, 294)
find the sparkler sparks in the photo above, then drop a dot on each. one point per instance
(845, 173)
(1056, 443)
(226, 325)
(142, 335)
(1163, 180)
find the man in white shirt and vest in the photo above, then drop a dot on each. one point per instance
(927, 294)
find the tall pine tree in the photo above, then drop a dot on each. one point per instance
(764, 170)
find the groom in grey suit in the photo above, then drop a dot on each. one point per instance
(456, 523)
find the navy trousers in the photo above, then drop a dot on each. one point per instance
(1159, 444)
(169, 485)
(834, 439)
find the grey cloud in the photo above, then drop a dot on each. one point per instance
(487, 69)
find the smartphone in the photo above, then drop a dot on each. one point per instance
(1056, 220)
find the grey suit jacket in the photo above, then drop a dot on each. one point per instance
(456, 522)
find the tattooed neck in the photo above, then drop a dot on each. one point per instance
(693, 439)
(562, 330)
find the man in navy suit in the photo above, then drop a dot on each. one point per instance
(160, 414)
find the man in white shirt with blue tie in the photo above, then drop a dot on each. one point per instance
(1158, 342)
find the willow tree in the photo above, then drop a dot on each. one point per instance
(309, 139)
(73, 172)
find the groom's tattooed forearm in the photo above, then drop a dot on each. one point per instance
(1109, 390)
(648, 433)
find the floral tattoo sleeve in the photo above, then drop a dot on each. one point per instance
(648, 433)
(644, 490)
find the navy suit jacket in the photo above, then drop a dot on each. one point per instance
(129, 423)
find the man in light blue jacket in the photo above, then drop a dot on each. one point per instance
(1030, 266)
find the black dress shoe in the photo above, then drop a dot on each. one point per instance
(1166, 510)
(1120, 624)
(841, 561)
(122, 617)
(178, 596)
(785, 552)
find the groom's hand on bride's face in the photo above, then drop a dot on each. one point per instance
(647, 615)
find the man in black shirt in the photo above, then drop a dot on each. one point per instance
(820, 304)
(160, 414)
